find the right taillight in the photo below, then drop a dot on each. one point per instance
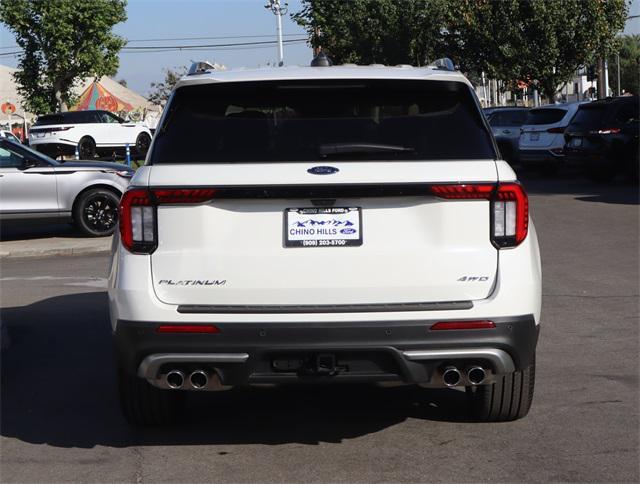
(138, 213)
(509, 208)
(510, 215)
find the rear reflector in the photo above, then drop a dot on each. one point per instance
(188, 328)
(463, 192)
(445, 325)
(558, 130)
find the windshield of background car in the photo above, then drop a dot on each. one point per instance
(588, 117)
(294, 120)
(545, 116)
(72, 117)
(508, 118)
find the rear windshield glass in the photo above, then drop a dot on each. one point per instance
(508, 118)
(589, 117)
(545, 116)
(314, 120)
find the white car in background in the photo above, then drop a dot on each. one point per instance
(541, 142)
(91, 132)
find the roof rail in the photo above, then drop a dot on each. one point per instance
(444, 64)
(200, 67)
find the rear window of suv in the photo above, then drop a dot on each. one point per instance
(589, 117)
(318, 119)
(545, 116)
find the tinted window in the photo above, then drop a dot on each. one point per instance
(72, 117)
(589, 117)
(298, 120)
(508, 118)
(10, 158)
(626, 113)
(545, 116)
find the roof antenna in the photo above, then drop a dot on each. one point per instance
(321, 60)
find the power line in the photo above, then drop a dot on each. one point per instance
(186, 47)
(209, 38)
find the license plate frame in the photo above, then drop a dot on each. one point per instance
(534, 136)
(331, 221)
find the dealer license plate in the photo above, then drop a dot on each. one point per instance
(323, 227)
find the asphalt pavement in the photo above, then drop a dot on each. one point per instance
(60, 419)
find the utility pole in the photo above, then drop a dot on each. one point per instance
(278, 10)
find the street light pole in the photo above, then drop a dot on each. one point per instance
(278, 10)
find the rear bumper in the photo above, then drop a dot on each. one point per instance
(539, 156)
(402, 351)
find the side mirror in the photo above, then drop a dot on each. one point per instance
(29, 163)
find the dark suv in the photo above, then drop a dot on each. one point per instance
(602, 138)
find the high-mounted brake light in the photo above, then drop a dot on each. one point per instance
(445, 325)
(509, 208)
(138, 213)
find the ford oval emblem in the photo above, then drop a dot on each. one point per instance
(323, 170)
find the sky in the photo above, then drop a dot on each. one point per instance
(150, 20)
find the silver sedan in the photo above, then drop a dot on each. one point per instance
(34, 186)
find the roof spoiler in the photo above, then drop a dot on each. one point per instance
(200, 67)
(444, 64)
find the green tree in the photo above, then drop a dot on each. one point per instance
(629, 52)
(162, 90)
(375, 31)
(543, 42)
(63, 41)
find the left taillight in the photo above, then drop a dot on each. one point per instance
(138, 231)
(509, 208)
(139, 213)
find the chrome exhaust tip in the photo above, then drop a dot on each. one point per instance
(175, 379)
(476, 375)
(451, 376)
(199, 379)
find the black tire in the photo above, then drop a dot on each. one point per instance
(87, 148)
(142, 144)
(95, 212)
(509, 398)
(145, 405)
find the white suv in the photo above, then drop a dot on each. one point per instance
(90, 132)
(325, 224)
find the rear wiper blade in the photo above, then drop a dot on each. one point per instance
(346, 148)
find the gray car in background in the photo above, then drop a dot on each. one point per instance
(505, 124)
(34, 186)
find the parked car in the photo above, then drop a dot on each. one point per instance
(325, 224)
(9, 135)
(505, 124)
(34, 186)
(602, 138)
(541, 143)
(90, 132)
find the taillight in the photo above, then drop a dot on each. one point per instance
(510, 215)
(558, 130)
(138, 213)
(606, 131)
(509, 208)
(137, 221)
(50, 130)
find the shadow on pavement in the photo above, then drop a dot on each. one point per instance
(59, 388)
(36, 229)
(618, 191)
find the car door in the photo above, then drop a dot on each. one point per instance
(27, 184)
(117, 132)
